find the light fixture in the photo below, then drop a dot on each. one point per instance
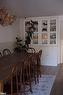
(5, 17)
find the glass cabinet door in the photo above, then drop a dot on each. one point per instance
(44, 30)
(53, 31)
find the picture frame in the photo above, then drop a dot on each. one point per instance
(52, 38)
(44, 38)
(53, 25)
(35, 38)
(44, 25)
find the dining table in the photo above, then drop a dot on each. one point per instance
(8, 61)
(6, 64)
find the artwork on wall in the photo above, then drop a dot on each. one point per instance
(35, 38)
(28, 25)
(53, 25)
(44, 38)
(44, 25)
(52, 38)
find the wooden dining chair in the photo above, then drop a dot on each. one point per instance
(6, 52)
(33, 61)
(36, 63)
(39, 62)
(27, 75)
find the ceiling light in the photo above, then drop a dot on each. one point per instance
(6, 18)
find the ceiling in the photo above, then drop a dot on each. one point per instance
(27, 8)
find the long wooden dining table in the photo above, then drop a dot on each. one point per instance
(7, 62)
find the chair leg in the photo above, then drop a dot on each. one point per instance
(11, 85)
(30, 78)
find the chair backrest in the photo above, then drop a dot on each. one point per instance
(0, 54)
(6, 52)
(40, 53)
(31, 50)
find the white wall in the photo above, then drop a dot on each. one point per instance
(8, 35)
(61, 37)
(22, 34)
